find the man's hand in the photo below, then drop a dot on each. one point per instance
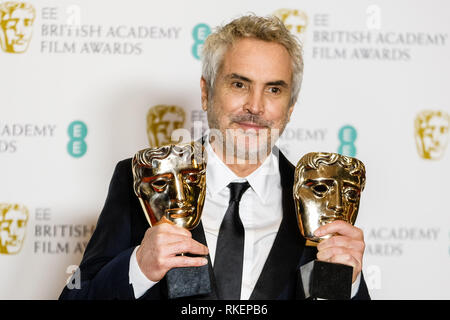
(160, 246)
(346, 246)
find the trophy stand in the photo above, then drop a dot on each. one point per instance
(188, 281)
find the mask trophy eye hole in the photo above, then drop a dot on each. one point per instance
(352, 194)
(192, 177)
(320, 189)
(159, 185)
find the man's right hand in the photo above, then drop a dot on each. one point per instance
(162, 243)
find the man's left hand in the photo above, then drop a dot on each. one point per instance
(346, 246)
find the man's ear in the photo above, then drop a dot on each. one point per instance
(204, 88)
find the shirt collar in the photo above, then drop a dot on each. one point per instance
(219, 175)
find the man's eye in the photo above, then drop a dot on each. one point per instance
(320, 189)
(274, 90)
(238, 85)
(159, 185)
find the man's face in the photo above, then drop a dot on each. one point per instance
(17, 29)
(12, 231)
(434, 136)
(251, 95)
(174, 188)
(327, 194)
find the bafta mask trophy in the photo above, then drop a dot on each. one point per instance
(170, 182)
(327, 187)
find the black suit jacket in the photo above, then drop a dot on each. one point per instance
(121, 227)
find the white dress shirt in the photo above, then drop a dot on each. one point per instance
(260, 210)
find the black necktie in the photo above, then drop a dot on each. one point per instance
(230, 247)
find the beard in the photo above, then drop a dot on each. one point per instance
(239, 145)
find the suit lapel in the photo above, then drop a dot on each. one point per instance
(281, 264)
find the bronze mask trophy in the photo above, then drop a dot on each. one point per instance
(327, 187)
(170, 182)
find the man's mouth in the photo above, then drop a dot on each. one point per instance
(180, 212)
(250, 125)
(250, 121)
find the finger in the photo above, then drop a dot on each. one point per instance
(327, 254)
(171, 228)
(163, 239)
(340, 227)
(185, 261)
(190, 246)
(342, 241)
(330, 253)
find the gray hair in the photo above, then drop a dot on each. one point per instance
(263, 28)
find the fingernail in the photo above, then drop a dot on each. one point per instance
(318, 233)
(205, 261)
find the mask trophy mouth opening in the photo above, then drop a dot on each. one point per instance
(328, 219)
(182, 212)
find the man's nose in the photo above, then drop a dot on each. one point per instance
(255, 102)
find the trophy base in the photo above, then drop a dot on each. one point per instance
(325, 280)
(188, 282)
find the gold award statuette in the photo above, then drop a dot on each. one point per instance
(432, 133)
(170, 182)
(16, 26)
(327, 187)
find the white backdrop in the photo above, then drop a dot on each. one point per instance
(370, 66)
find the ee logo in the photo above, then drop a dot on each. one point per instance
(347, 136)
(77, 131)
(199, 33)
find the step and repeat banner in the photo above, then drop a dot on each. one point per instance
(85, 84)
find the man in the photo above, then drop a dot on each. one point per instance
(252, 71)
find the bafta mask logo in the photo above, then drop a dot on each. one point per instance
(13, 222)
(431, 131)
(16, 22)
(170, 182)
(327, 187)
(295, 21)
(162, 120)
